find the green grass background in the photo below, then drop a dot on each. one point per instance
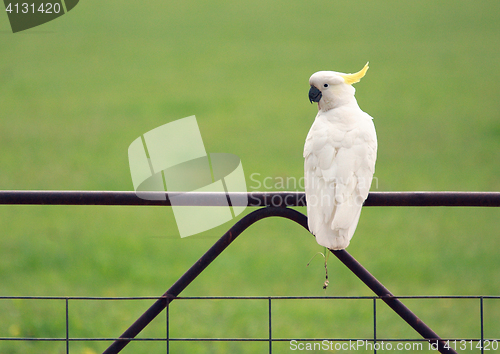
(75, 92)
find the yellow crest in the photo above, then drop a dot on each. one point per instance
(353, 78)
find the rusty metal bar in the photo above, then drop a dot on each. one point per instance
(255, 199)
(229, 237)
(448, 199)
(394, 303)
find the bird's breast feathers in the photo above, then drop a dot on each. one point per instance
(340, 153)
(331, 132)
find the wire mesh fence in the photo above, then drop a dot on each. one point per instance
(270, 339)
(271, 331)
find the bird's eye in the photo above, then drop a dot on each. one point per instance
(325, 85)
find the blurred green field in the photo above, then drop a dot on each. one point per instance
(75, 92)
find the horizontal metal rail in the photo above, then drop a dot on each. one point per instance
(255, 199)
(272, 297)
(238, 298)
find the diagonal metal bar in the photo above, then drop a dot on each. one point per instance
(394, 303)
(196, 269)
(365, 276)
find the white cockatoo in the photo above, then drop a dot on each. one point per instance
(340, 153)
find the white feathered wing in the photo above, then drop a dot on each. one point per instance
(340, 153)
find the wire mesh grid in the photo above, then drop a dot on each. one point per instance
(275, 204)
(476, 342)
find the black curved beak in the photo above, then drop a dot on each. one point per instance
(314, 94)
